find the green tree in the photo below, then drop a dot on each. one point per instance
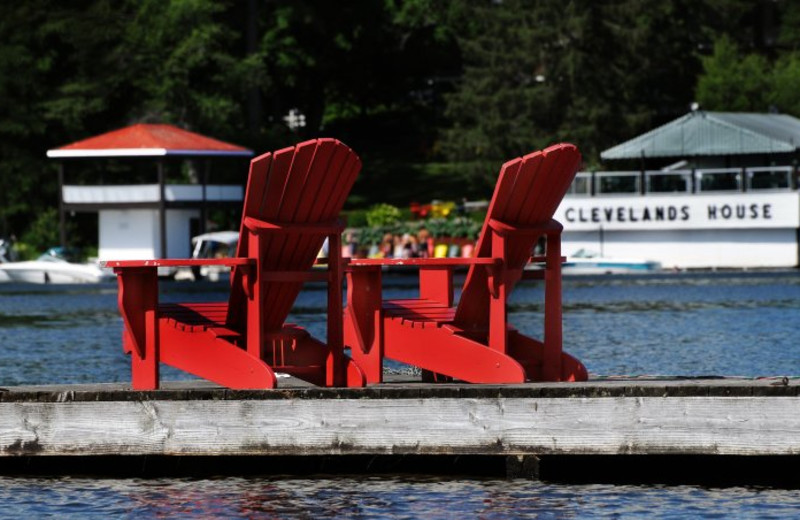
(69, 70)
(505, 98)
(178, 61)
(50, 87)
(586, 71)
(784, 96)
(468, 83)
(733, 82)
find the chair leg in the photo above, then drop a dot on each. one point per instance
(336, 370)
(530, 353)
(214, 359)
(363, 324)
(138, 302)
(449, 354)
(356, 378)
(572, 369)
(144, 369)
(498, 313)
(551, 362)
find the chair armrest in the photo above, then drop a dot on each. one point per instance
(176, 262)
(423, 262)
(435, 274)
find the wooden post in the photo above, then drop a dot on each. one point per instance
(162, 211)
(523, 466)
(642, 176)
(204, 206)
(744, 179)
(62, 219)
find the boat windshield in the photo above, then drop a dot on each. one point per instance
(215, 245)
(585, 253)
(60, 254)
(214, 249)
(50, 258)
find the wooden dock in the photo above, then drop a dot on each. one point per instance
(635, 417)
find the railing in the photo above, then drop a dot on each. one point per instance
(769, 178)
(701, 180)
(719, 179)
(143, 193)
(613, 183)
(678, 181)
(581, 185)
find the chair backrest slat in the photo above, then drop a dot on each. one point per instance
(528, 192)
(306, 183)
(323, 176)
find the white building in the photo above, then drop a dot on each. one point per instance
(729, 198)
(149, 220)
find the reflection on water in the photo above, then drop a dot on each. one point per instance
(374, 497)
(744, 324)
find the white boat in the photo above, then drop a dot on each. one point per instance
(6, 255)
(53, 268)
(589, 262)
(217, 244)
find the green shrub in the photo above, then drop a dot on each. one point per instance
(42, 233)
(383, 215)
(25, 251)
(370, 235)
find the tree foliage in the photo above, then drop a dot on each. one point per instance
(733, 82)
(433, 95)
(750, 82)
(587, 71)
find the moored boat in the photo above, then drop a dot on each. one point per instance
(53, 267)
(589, 262)
(217, 244)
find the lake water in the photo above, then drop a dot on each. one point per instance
(742, 324)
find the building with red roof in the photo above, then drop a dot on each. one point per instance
(152, 219)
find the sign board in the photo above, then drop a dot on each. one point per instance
(648, 212)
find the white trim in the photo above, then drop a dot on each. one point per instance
(242, 153)
(142, 152)
(110, 152)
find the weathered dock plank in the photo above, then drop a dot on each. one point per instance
(608, 417)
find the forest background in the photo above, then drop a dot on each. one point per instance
(433, 95)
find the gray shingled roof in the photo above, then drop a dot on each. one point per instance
(713, 133)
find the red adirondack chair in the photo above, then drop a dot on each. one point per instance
(291, 205)
(472, 341)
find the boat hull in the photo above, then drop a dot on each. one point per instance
(609, 267)
(52, 273)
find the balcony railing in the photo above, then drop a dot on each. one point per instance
(705, 180)
(144, 193)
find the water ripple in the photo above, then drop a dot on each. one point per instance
(410, 497)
